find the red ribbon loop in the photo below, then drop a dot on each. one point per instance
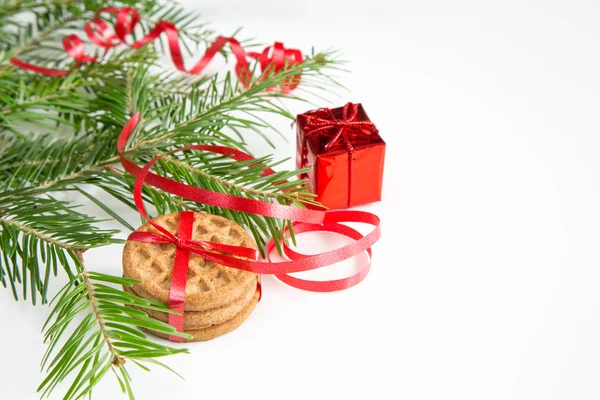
(99, 32)
(127, 19)
(280, 59)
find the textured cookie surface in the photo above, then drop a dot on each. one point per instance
(211, 332)
(209, 285)
(202, 319)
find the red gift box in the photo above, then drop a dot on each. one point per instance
(346, 154)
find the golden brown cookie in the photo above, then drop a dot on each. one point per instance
(202, 319)
(209, 285)
(214, 331)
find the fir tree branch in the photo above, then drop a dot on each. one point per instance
(32, 101)
(209, 113)
(22, 5)
(105, 339)
(281, 196)
(36, 234)
(92, 328)
(95, 309)
(34, 41)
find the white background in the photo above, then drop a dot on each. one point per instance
(485, 283)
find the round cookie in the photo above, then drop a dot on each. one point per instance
(202, 319)
(213, 331)
(209, 285)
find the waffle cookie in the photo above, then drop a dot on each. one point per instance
(217, 298)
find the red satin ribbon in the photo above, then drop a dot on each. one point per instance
(271, 59)
(340, 132)
(305, 221)
(73, 46)
(180, 272)
(165, 237)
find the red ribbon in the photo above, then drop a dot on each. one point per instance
(271, 59)
(347, 132)
(305, 220)
(73, 46)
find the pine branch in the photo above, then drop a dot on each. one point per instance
(209, 110)
(105, 339)
(33, 166)
(27, 108)
(205, 116)
(31, 42)
(36, 233)
(29, 102)
(22, 5)
(92, 328)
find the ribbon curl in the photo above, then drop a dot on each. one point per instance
(271, 59)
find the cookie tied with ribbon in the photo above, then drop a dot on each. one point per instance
(211, 299)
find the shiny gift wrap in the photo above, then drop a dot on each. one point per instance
(346, 154)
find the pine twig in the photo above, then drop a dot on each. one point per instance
(40, 235)
(92, 328)
(37, 39)
(116, 360)
(106, 337)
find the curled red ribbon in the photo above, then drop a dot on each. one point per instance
(73, 46)
(271, 59)
(347, 131)
(305, 220)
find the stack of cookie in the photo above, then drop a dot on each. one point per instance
(217, 298)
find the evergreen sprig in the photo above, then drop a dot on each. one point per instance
(36, 235)
(32, 31)
(105, 338)
(59, 135)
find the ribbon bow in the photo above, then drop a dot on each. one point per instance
(198, 247)
(346, 131)
(273, 58)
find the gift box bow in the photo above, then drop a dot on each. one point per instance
(346, 131)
